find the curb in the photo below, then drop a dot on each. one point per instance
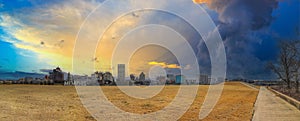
(255, 105)
(290, 100)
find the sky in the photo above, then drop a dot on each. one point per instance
(37, 35)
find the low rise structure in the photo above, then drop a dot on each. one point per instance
(57, 76)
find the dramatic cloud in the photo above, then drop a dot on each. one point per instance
(164, 65)
(243, 15)
(240, 23)
(50, 30)
(47, 29)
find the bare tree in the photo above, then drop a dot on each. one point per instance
(296, 46)
(132, 77)
(297, 85)
(288, 64)
(297, 82)
(297, 65)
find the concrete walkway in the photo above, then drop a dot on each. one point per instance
(269, 107)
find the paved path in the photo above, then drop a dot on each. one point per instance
(269, 107)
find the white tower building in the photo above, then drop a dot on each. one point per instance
(121, 72)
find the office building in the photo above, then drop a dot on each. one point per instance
(121, 72)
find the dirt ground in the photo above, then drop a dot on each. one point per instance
(40, 102)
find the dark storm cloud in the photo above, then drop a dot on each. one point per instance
(240, 23)
(244, 14)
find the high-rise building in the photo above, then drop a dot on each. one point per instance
(121, 72)
(179, 79)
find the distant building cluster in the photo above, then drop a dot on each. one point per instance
(140, 80)
(57, 76)
(162, 80)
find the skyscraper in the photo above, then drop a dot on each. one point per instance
(121, 72)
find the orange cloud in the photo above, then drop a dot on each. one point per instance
(201, 1)
(164, 64)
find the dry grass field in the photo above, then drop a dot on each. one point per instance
(40, 102)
